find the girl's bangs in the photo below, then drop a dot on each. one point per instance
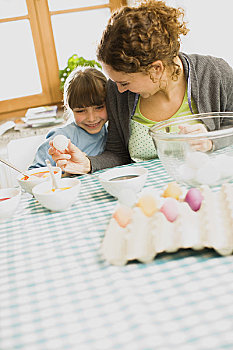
(87, 94)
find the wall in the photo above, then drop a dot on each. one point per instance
(210, 24)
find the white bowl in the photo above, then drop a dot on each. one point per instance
(8, 206)
(184, 160)
(116, 187)
(60, 199)
(28, 184)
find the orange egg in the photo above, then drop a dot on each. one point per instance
(123, 215)
(148, 204)
(172, 190)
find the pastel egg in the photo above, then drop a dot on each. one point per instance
(172, 190)
(170, 209)
(60, 142)
(194, 198)
(123, 215)
(148, 204)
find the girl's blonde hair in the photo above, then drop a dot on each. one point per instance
(135, 37)
(85, 88)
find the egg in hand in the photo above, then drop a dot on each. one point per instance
(60, 142)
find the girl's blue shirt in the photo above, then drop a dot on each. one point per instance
(91, 144)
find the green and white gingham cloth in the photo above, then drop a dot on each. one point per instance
(57, 292)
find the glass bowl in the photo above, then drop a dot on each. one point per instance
(183, 156)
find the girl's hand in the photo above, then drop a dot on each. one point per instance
(198, 145)
(72, 160)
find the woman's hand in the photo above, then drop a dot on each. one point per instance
(72, 160)
(198, 145)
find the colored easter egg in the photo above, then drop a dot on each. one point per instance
(148, 204)
(194, 198)
(170, 209)
(172, 190)
(123, 215)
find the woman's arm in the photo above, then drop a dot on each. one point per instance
(116, 150)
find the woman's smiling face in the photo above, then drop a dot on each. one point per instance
(140, 82)
(91, 119)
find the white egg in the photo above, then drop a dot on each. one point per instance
(187, 173)
(208, 174)
(196, 159)
(60, 142)
(225, 165)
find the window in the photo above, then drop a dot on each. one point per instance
(38, 37)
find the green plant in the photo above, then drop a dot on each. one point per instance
(72, 63)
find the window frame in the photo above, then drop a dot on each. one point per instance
(39, 17)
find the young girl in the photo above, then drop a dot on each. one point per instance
(84, 97)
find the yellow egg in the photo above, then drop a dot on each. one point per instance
(148, 204)
(172, 190)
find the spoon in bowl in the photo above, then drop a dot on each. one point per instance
(54, 181)
(26, 177)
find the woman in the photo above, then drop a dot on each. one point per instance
(151, 81)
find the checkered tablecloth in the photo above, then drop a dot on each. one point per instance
(57, 292)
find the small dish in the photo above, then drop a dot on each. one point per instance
(37, 176)
(116, 180)
(9, 200)
(60, 199)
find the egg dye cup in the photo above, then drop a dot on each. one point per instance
(60, 199)
(28, 184)
(9, 201)
(115, 180)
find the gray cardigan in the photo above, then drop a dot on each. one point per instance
(211, 89)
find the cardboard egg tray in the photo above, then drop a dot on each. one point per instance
(145, 237)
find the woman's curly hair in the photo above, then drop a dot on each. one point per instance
(135, 37)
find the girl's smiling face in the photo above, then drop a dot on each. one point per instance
(92, 118)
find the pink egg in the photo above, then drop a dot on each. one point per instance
(170, 209)
(194, 198)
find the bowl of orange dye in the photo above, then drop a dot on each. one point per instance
(9, 201)
(36, 176)
(57, 199)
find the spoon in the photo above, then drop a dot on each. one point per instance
(13, 167)
(54, 181)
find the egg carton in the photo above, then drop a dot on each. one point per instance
(145, 237)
